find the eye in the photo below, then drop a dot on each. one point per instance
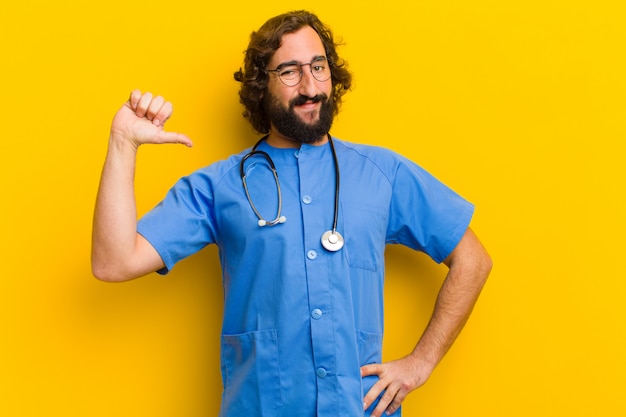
(319, 68)
(289, 72)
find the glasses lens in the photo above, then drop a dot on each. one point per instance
(290, 75)
(320, 70)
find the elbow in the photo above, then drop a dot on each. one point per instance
(106, 272)
(485, 265)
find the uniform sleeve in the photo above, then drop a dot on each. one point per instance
(425, 214)
(183, 223)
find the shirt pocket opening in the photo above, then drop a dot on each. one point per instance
(251, 373)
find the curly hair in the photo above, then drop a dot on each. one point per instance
(263, 44)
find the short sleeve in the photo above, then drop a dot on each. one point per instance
(183, 223)
(425, 214)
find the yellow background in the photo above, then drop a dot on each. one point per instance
(518, 105)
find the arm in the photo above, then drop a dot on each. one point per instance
(118, 252)
(469, 266)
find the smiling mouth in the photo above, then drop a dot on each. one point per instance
(304, 100)
(309, 105)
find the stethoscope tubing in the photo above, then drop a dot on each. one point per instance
(337, 180)
(331, 240)
(245, 187)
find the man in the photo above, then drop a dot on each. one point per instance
(302, 249)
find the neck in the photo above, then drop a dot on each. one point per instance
(277, 140)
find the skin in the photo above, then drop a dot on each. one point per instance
(469, 265)
(119, 253)
(302, 47)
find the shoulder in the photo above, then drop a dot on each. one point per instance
(383, 159)
(219, 168)
(398, 169)
(367, 151)
(213, 175)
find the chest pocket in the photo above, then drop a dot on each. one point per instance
(365, 227)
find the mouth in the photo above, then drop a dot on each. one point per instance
(309, 105)
(304, 101)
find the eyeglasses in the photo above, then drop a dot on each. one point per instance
(290, 73)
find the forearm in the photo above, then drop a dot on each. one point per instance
(115, 217)
(469, 266)
(118, 252)
(455, 302)
(453, 308)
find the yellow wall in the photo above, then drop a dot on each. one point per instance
(519, 105)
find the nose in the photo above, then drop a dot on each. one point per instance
(308, 84)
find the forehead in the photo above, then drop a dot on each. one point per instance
(301, 46)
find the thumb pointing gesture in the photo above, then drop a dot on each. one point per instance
(142, 118)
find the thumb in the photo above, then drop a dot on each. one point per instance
(174, 137)
(371, 369)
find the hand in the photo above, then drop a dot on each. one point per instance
(396, 380)
(141, 120)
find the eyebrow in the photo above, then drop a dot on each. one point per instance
(294, 62)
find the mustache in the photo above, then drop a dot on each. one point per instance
(302, 99)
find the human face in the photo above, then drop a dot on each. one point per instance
(288, 125)
(302, 113)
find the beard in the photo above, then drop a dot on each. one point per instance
(289, 124)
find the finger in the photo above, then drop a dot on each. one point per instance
(385, 401)
(143, 103)
(371, 369)
(163, 114)
(396, 403)
(373, 393)
(153, 108)
(135, 95)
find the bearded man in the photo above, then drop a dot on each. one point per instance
(301, 221)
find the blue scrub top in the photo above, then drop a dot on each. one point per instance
(300, 321)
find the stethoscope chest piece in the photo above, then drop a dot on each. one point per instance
(332, 241)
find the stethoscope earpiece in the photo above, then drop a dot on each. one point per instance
(262, 222)
(332, 239)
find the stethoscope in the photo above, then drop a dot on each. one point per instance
(331, 239)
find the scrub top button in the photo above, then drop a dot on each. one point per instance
(311, 254)
(316, 314)
(321, 373)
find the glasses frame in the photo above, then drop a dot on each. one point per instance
(300, 70)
